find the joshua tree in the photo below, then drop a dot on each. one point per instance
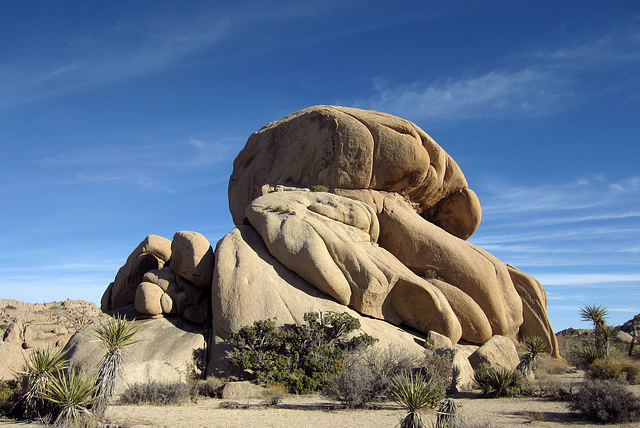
(115, 335)
(634, 336)
(597, 315)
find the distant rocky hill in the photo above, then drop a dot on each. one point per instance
(28, 326)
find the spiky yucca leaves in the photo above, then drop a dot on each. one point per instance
(414, 392)
(502, 382)
(37, 372)
(535, 346)
(447, 414)
(114, 335)
(72, 394)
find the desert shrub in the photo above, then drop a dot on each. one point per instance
(7, 389)
(157, 393)
(605, 402)
(319, 188)
(72, 394)
(554, 390)
(414, 392)
(367, 377)
(616, 367)
(210, 387)
(274, 393)
(437, 368)
(502, 382)
(298, 356)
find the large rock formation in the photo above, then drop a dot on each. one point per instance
(340, 209)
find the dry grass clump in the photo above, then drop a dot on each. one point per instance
(158, 393)
(274, 393)
(618, 367)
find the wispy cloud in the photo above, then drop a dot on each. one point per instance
(589, 279)
(139, 164)
(535, 83)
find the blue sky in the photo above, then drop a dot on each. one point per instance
(122, 119)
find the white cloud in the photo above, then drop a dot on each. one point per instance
(531, 84)
(589, 279)
(497, 93)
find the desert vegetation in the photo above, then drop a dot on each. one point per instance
(328, 356)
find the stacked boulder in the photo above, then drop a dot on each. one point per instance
(346, 210)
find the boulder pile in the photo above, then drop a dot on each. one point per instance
(346, 210)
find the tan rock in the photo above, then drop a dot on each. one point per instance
(14, 333)
(192, 258)
(148, 298)
(347, 148)
(460, 358)
(13, 357)
(166, 351)
(493, 306)
(329, 241)
(534, 302)
(498, 351)
(436, 340)
(152, 253)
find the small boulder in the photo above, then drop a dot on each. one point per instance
(498, 351)
(436, 340)
(192, 258)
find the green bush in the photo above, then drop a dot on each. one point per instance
(298, 356)
(502, 382)
(319, 188)
(157, 393)
(605, 402)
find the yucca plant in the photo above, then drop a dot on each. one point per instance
(37, 372)
(114, 335)
(535, 346)
(597, 315)
(72, 393)
(447, 414)
(414, 392)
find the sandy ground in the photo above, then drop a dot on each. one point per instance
(315, 411)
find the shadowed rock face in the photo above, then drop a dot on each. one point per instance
(385, 236)
(347, 148)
